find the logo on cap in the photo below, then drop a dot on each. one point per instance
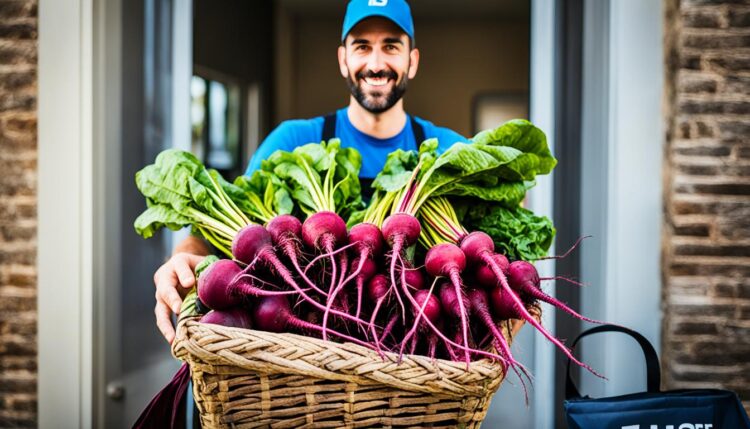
(377, 2)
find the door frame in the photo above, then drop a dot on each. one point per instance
(66, 258)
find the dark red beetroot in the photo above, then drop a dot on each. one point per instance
(447, 259)
(479, 249)
(506, 304)
(484, 274)
(448, 342)
(366, 238)
(480, 308)
(377, 290)
(285, 229)
(400, 230)
(324, 231)
(254, 243)
(250, 242)
(427, 307)
(449, 299)
(213, 285)
(285, 233)
(368, 245)
(367, 269)
(234, 317)
(413, 277)
(524, 278)
(273, 314)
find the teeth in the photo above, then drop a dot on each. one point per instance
(376, 81)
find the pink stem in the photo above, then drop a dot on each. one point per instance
(327, 254)
(564, 279)
(566, 253)
(541, 296)
(269, 255)
(372, 325)
(398, 242)
(521, 310)
(455, 277)
(291, 249)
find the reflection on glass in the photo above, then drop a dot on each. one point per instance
(197, 114)
(216, 121)
(218, 153)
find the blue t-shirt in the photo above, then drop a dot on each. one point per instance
(297, 132)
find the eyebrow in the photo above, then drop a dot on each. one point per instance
(389, 40)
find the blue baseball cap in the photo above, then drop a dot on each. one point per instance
(397, 11)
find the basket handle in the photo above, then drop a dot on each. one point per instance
(653, 373)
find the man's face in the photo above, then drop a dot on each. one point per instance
(377, 62)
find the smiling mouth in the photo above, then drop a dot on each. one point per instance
(376, 81)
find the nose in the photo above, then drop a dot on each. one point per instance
(376, 61)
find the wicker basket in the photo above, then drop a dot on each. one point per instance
(253, 379)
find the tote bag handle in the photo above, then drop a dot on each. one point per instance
(653, 373)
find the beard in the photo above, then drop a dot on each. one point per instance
(377, 101)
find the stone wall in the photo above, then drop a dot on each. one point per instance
(706, 254)
(18, 165)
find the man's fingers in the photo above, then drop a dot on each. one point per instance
(185, 274)
(177, 271)
(185, 267)
(163, 321)
(166, 293)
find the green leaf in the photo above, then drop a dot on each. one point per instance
(158, 216)
(524, 136)
(514, 152)
(282, 202)
(303, 171)
(200, 195)
(205, 263)
(518, 233)
(397, 170)
(355, 218)
(163, 189)
(507, 194)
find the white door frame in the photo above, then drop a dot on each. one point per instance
(65, 213)
(542, 114)
(621, 195)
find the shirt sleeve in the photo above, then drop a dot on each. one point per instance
(446, 136)
(287, 136)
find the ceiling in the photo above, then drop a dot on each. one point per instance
(497, 9)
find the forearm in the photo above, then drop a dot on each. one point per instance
(193, 245)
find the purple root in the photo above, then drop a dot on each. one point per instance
(524, 313)
(564, 255)
(291, 249)
(456, 280)
(541, 296)
(563, 278)
(269, 255)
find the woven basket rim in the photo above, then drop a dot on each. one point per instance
(212, 347)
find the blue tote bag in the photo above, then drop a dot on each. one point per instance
(653, 409)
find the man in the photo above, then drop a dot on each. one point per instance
(377, 58)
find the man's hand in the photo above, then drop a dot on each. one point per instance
(173, 281)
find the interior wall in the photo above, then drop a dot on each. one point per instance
(233, 38)
(460, 58)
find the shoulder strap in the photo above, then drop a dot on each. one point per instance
(329, 127)
(653, 373)
(418, 131)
